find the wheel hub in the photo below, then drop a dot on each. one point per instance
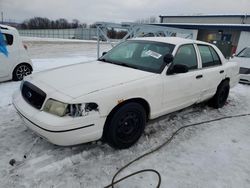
(128, 125)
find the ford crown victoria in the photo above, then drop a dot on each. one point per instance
(113, 98)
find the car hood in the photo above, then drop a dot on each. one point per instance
(85, 78)
(243, 61)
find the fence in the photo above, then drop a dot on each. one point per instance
(78, 33)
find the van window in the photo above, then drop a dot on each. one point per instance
(8, 38)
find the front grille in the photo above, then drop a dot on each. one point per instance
(33, 95)
(244, 70)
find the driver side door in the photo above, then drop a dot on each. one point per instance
(183, 89)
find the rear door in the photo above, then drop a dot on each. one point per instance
(8, 58)
(212, 70)
(183, 89)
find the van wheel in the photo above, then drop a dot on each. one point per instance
(126, 126)
(221, 95)
(20, 71)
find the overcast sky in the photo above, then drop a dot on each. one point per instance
(90, 11)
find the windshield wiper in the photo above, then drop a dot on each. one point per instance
(122, 64)
(105, 60)
(127, 65)
(101, 59)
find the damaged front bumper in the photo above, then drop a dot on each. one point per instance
(59, 130)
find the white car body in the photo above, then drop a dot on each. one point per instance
(16, 54)
(244, 63)
(109, 85)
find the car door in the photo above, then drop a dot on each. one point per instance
(7, 60)
(183, 89)
(212, 70)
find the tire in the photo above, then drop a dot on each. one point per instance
(221, 95)
(20, 71)
(126, 126)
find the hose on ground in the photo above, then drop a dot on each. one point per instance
(114, 182)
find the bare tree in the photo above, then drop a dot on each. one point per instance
(45, 23)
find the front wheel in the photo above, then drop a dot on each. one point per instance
(221, 95)
(125, 126)
(20, 71)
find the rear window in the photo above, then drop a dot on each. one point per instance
(8, 38)
(209, 56)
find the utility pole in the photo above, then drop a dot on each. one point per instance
(2, 16)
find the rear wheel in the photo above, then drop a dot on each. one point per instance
(20, 71)
(125, 126)
(221, 95)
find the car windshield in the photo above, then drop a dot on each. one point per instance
(244, 53)
(138, 54)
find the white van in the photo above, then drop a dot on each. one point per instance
(14, 60)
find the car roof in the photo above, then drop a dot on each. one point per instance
(6, 27)
(171, 40)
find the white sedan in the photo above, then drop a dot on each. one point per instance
(14, 60)
(243, 58)
(113, 98)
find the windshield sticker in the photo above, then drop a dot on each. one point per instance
(153, 54)
(3, 48)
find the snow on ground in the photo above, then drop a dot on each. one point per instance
(215, 154)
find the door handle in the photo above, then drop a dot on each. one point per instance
(222, 71)
(199, 76)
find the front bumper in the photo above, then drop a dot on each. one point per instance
(62, 131)
(245, 78)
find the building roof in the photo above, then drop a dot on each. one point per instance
(241, 27)
(205, 15)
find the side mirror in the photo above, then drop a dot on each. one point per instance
(103, 53)
(178, 68)
(168, 58)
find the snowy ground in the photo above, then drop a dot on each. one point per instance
(211, 155)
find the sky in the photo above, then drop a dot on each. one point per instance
(90, 11)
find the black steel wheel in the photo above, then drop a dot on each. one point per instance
(125, 126)
(20, 71)
(220, 98)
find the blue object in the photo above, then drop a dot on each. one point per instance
(3, 48)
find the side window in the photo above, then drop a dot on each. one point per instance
(208, 56)
(8, 38)
(186, 55)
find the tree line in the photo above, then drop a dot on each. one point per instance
(45, 23)
(62, 23)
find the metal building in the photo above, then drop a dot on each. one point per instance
(231, 33)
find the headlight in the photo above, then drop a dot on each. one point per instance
(74, 110)
(55, 107)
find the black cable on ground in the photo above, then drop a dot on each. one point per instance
(114, 182)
